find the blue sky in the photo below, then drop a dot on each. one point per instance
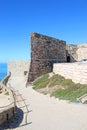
(62, 19)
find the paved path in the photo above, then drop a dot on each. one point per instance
(47, 113)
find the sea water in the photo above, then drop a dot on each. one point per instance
(3, 70)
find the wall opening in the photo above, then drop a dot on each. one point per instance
(7, 116)
(25, 72)
(68, 58)
(51, 65)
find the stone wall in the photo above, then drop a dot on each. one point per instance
(75, 71)
(71, 50)
(82, 51)
(5, 79)
(76, 52)
(18, 68)
(44, 52)
(6, 112)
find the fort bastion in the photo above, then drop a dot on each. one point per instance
(45, 51)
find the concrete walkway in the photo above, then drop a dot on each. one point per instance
(47, 113)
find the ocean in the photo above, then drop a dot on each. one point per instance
(3, 70)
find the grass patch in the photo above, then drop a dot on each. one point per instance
(67, 89)
(55, 80)
(71, 93)
(68, 83)
(41, 82)
(7, 93)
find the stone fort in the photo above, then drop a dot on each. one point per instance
(45, 51)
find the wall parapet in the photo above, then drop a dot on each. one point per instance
(75, 71)
(18, 68)
(7, 111)
(5, 80)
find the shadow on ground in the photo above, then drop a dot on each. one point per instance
(15, 121)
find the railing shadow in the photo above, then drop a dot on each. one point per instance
(20, 117)
(14, 122)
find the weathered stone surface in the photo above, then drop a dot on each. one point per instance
(18, 68)
(76, 52)
(44, 52)
(82, 51)
(75, 71)
(71, 50)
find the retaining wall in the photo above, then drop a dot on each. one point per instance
(5, 79)
(82, 51)
(6, 112)
(75, 71)
(18, 68)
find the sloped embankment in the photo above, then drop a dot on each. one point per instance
(56, 85)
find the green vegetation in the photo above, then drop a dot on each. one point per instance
(7, 93)
(41, 82)
(67, 89)
(70, 93)
(55, 80)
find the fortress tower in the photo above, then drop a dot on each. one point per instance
(44, 52)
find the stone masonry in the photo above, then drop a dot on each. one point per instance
(44, 52)
(18, 68)
(75, 71)
(82, 51)
(71, 51)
